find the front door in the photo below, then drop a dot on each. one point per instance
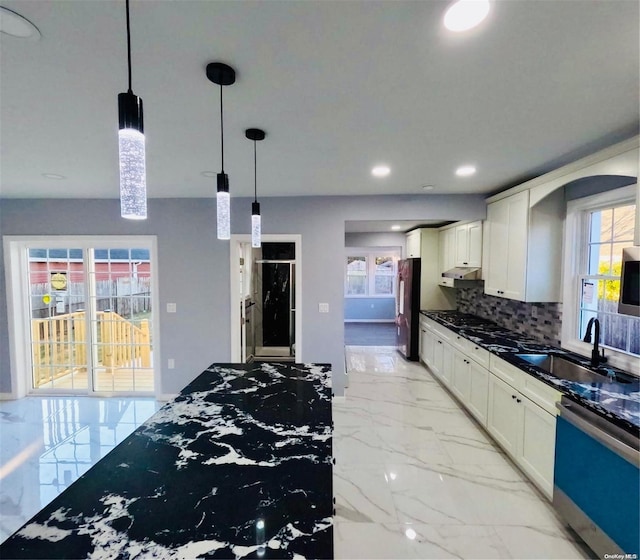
(90, 319)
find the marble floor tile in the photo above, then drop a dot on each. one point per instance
(416, 541)
(49, 442)
(553, 542)
(455, 494)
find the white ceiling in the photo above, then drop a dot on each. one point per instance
(338, 86)
(401, 226)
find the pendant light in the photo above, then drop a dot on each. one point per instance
(256, 135)
(223, 75)
(131, 148)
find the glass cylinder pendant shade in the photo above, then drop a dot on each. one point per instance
(131, 144)
(223, 203)
(256, 226)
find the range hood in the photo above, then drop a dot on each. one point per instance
(462, 273)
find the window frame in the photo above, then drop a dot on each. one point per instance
(575, 268)
(370, 255)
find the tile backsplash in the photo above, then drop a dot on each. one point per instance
(542, 321)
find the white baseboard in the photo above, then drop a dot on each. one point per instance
(369, 320)
(166, 397)
(7, 397)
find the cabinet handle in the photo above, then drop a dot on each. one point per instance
(513, 396)
(518, 400)
(439, 341)
(465, 263)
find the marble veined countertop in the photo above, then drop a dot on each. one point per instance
(618, 402)
(238, 465)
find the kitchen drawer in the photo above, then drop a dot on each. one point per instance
(542, 394)
(478, 354)
(460, 343)
(443, 332)
(508, 373)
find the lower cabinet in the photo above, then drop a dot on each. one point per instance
(426, 344)
(524, 430)
(478, 392)
(515, 408)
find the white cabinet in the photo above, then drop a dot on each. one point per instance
(518, 410)
(524, 428)
(536, 451)
(522, 258)
(461, 383)
(446, 253)
(413, 244)
(478, 392)
(426, 344)
(507, 229)
(468, 244)
(503, 421)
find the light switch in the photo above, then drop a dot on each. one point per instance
(171, 307)
(323, 307)
(171, 363)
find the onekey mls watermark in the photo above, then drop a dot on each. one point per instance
(620, 557)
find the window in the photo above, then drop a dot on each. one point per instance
(598, 228)
(371, 273)
(356, 276)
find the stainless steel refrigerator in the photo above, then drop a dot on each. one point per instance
(408, 308)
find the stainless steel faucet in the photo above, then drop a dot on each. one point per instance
(596, 357)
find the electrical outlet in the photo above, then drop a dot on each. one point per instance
(323, 307)
(534, 312)
(171, 363)
(171, 307)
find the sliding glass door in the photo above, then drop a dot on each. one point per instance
(91, 311)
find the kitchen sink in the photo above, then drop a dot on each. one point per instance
(564, 369)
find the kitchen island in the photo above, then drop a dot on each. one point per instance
(238, 465)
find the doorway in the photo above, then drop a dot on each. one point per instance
(274, 317)
(265, 311)
(89, 324)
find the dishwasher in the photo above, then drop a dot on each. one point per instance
(597, 480)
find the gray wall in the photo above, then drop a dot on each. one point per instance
(369, 309)
(193, 263)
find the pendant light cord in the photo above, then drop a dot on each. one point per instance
(255, 172)
(221, 129)
(129, 45)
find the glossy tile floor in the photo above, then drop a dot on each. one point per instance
(416, 478)
(46, 443)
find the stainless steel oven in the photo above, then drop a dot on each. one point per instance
(630, 282)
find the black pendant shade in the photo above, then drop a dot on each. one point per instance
(130, 111)
(222, 75)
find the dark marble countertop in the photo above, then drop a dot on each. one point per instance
(616, 401)
(239, 465)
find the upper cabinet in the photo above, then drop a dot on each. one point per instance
(523, 248)
(459, 246)
(468, 244)
(413, 244)
(446, 249)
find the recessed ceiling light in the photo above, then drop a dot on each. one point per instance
(428, 188)
(410, 534)
(465, 170)
(396, 227)
(16, 25)
(380, 171)
(208, 173)
(53, 176)
(466, 14)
